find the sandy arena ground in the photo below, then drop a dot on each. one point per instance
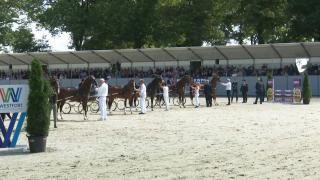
(243, 141)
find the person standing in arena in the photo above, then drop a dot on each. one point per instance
(244, 90)
(196, 89)
(53, 97)
(207, 94)
(102, 94)
(143, 95)
(228, 89)
(234, 91)
(259, 91)
(165, 89)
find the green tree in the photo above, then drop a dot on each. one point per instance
(306, 89)
(8, 16)
(38, 102)
(262, 21)
(23, 41)
(305, 21)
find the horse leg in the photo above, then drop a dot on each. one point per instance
(125, 105)
(151, 103)
(84, 107)
(130, 104)
(60, 107)
(215, 100)
(135, 103)
(182, 101)
(108, 105)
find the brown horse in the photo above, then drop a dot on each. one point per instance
(79, 95)
(213, 82)
(153, 88)
(124, 92)
(179, 88)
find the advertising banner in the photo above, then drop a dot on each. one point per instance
(13, 98)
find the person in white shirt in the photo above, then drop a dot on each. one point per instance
(165, 94)
(196, 89)
(228, 89)
(102, 94)
(143, 95)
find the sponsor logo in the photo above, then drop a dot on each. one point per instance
(10, 94)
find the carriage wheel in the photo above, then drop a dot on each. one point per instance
(176, 101)
(76, 107)
(80, 108)
(94, 107)
(156, 103)
(114, 106)
(66, 109)
(147, 103)
(120, 105)
(137, 103)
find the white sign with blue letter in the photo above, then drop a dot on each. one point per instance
(13, 98)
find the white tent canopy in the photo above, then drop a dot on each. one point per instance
(154, 55)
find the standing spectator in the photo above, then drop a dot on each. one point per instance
(207, 93)
(244, 90)
(259, 91)
(234, 91)
(228, 89)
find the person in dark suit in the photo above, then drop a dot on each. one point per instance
(259, 91)
(207, 93)
(234, 91)
(244, 90)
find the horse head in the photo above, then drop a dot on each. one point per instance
(131, 84)
(215, 79)
(189, 79)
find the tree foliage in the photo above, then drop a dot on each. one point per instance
(108, 24)
(38, 102)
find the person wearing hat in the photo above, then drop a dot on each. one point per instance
(244, 90)
(228, 89)
(208, 94)
(143, 95)
(102, 94)
(259, 91)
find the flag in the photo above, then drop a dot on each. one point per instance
(302, 64)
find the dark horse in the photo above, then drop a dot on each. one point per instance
(79, 95)
(153, 88)
(213, 82)
(124, 92)
(179, 88)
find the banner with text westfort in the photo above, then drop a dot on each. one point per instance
(13, 98)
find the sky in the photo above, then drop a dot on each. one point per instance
(58, 42)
